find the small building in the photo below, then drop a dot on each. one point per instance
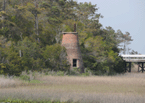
(71, 43)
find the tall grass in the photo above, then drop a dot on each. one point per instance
(9, 82)
(127, 88)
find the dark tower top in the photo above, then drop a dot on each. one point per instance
(75, 27)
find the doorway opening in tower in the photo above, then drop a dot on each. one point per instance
(74, 62)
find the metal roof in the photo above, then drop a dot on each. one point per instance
(133, 55)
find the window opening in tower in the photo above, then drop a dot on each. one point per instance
(74, 62)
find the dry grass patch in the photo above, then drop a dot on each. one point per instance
(128, 88)
(8, 82)
(98, 84)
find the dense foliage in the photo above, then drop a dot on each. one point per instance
(30, 37)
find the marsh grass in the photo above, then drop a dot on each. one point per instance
(9, 82)
(126, 88)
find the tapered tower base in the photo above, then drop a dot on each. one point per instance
(71, 43)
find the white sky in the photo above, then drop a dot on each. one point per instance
(126, 15)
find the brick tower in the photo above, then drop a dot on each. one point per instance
(71, 43)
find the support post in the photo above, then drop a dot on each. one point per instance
(138, 67)
(125, 67)
(129, 66)
(142, 67)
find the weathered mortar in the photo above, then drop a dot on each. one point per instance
(71, 43)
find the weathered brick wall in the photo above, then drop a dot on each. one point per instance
(71, 43)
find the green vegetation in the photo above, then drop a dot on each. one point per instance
(30, 37)
(24, 101)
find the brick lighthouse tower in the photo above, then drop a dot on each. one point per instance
(71, 43)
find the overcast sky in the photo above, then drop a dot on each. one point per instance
(126, 15)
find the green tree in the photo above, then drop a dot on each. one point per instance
(55, 57)
(31, 34)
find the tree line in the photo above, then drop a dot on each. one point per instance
(31, 34)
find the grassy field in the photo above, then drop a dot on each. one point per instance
(127, 88)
